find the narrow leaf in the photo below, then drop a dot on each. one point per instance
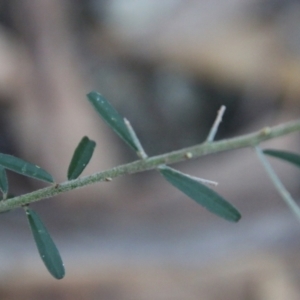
(81, 157)
(201, 194)
(3, 181)
(286, 196)
(112, 118)
(18, 165)
(46, 247)
(284, 155)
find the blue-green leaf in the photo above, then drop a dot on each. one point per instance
(81, 157)
(18, 165)
(284, 155)
(3, 181)
(112, 118)
(201, 194)
(46, 247)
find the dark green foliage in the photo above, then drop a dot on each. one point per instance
(112, 118)
(81, 157)
(201, 194)
(3, 181)
(25, 168)
(45, 245)
(284, 155)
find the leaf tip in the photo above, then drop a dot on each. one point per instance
(237, 217)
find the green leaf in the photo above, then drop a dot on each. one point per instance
(284, 155)
(81, 157)
(201, 194)
(46, 247)
(112, 118)
(3, 181)
(18, 165)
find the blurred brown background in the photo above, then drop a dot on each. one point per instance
(167, 66)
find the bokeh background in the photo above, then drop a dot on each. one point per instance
(167, 66)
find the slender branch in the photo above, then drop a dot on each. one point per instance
(218, 120)
(248, 140)
(278, 184)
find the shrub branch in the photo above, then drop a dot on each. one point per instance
(243, 141)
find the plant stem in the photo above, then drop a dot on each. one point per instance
(248, 140)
